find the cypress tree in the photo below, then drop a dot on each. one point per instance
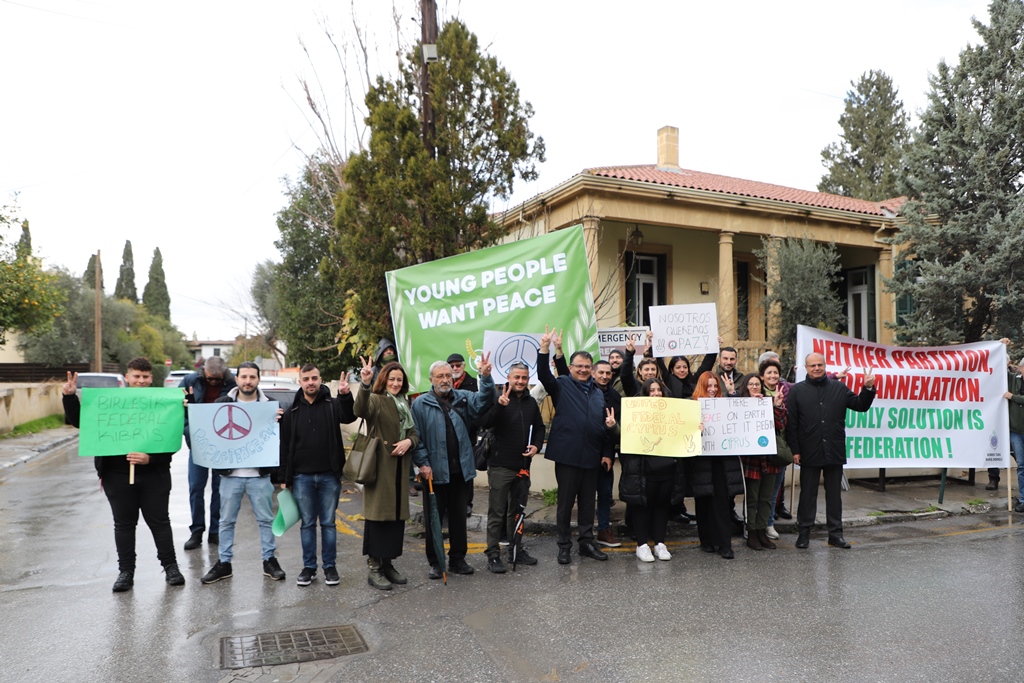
(155, 295)
(125, 287)
(89, 277)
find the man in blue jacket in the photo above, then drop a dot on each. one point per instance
(445, 452)
(579, 443)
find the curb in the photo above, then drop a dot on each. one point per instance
(37, 451)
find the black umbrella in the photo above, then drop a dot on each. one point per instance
(520, 493)
(434, 530)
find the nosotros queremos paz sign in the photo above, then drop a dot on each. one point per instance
(445, 306)
(935, 406)
(131, 420)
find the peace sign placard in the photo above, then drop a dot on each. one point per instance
(232, 435)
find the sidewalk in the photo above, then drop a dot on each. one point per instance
(904, 500)
(20, 449)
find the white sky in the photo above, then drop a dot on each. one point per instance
(171, 125)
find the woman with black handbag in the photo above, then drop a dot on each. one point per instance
(388, 417)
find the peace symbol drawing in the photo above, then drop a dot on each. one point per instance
(232, 423)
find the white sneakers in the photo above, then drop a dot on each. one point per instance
(772, 533)
(644, 554)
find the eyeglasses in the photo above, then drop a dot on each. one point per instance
(214, 380)
(456, 365)
(581, 367)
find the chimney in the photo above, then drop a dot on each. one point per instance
(668, 147)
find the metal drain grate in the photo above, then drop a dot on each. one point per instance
(290, 647)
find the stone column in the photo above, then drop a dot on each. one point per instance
(591, 238)
(772, 277)
(886, 301)
(727, 322)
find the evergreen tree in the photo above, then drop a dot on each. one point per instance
(800, 278)
(24, 248)
(865, 162)
(962, 240)
(89, 276)
(402, 205)
(125, 287)
(155, 296)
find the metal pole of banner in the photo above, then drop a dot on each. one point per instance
(792, 491)
(1009, 490)
(942, 485)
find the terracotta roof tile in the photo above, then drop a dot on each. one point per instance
(698, 180)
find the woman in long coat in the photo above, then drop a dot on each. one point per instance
(386, 411)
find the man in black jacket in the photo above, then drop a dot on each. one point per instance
(511, 418)
(816, 432)
(312, 456)
(150, 494)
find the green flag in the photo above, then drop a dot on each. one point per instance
(445, 306)
(121, 421)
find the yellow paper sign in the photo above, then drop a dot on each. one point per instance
(668, 427)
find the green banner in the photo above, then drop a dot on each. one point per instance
(121, 421)
(445, 306)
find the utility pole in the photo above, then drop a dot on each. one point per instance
(98, 317)
(428, 53)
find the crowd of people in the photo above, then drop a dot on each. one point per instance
(434, 437)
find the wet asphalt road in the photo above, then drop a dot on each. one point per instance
(934, 600)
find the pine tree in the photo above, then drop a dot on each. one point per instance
(865, 162)
(89, 276)
(125, 287)
(155, 296)
(962, 240)
(402, 205)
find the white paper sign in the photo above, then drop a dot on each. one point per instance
(684, 329)
(226, 436)
(738, 426)
(507, 348)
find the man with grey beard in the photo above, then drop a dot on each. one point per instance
(443, 417)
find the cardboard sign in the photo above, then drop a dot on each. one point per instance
(119, 421)
(738, 426)
(684, 329)
(652, 425)
(230, 435)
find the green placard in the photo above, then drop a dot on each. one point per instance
(445, 306)
(121, 421)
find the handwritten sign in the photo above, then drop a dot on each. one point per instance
(684, 329)
(119, 421)
(738, 426)
(668, 427)
(615, 338)
(226, 436)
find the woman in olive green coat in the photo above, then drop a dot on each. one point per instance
(386, 502)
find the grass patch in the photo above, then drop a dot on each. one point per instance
(876, 513)
(36, 426)
(977, 501)
(930, 508)
(550, 496)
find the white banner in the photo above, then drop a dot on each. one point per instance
(227, 436)
(934, 406)
(513, 347)
(738, 426)
(615, 338)
(684, 329)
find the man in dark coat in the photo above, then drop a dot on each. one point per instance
(816, 432)
(466, 382)
(579, 444)
(211, 382)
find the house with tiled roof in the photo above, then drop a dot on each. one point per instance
(660, 234)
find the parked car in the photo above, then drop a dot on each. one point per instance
(174, 377)
(284, 395)
(99, 380)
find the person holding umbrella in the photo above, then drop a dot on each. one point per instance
(388, 417)
(445, 455)
(518, 435)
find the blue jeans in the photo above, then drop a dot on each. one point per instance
(197, 477)
(604, 498)
(780, 479)
(261, 496)
(317, 498)
(1017, 442)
